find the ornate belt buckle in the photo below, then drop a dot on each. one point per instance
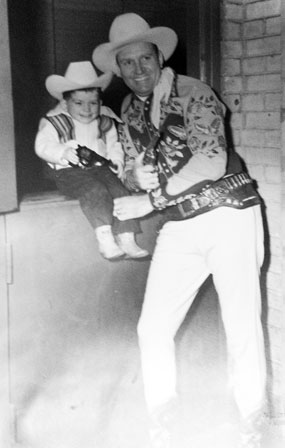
(194, 206)
(185, 211)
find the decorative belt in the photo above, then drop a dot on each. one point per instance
(234, 190)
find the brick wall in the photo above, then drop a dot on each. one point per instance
(252, 88)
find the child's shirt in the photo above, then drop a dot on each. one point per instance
(49, 146)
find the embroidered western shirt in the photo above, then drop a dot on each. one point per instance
(192, 148)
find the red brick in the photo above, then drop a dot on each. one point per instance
(231, 31)
(264, 46)
(272, 101)
(253, 102)
(273, 63)
(262, 9)
(274, 281)
(233, 11)
(276, 371)
(273, 175)
(236, 135)
(233, 102)
(273, 25)
(232, 49)
(239, 149)
(271, 192)
(275, 243)
(263, 156)
(256, 172)
(231, 67)
(274, 232)
(274, 317)
(233, 84)
(276, 337)
(275, 301)
(269, 83)
(236, 120)
(254, 65)
(275, 264)
(263, 120)
(265, 140)
(253, 29)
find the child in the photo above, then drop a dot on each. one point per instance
(79, 119)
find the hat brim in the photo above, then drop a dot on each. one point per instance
(56, 85)
(104, 56)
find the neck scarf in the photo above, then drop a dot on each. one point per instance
(161, 93)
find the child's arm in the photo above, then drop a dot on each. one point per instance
(48, 147)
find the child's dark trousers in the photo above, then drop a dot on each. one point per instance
(95, 188)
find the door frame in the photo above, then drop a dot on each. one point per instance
(8, 183)
(5, 407)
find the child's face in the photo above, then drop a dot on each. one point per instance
(84, 106)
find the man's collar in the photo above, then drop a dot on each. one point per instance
(142, 99)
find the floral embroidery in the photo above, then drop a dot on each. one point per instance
(187, 129)
(204, 120)
(175, 152)
(135, 116)
(178, 131)
(172, 107)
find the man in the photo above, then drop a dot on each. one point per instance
(184, 119)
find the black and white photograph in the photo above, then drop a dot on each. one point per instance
(142, 224)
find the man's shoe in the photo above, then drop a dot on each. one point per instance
(250, 431)
(129, 246)
(252, 440)
(108, 247)
(162, 422)
(160, 438)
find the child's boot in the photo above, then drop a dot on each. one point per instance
(108, 247)
(128, 244)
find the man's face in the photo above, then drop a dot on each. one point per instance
(139, 66)
(84, 106)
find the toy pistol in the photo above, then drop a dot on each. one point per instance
(90, 159)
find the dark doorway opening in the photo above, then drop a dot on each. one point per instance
(45, 36)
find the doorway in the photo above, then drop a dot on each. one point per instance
(46, 36)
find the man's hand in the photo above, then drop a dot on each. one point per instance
(145, 175)
(130, 207)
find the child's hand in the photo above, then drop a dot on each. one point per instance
(70, 156)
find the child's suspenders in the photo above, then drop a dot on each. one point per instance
(64, 126)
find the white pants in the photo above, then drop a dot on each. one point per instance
(227, 243)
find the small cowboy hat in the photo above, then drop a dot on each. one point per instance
(79, 75)
(130, 28)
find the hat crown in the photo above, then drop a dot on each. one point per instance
(78, 75)
(81, 73)
(127, 26)
(127, 29)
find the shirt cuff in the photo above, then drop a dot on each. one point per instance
(157, 199)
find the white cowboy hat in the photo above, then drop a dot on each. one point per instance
(130, 28)
(79, 75)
